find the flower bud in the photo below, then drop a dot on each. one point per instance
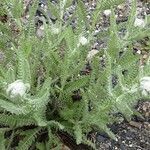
(17, 88)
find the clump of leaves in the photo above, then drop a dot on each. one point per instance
(44, 94)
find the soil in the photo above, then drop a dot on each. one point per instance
(133, 135)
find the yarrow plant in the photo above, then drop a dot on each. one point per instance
(60, 89)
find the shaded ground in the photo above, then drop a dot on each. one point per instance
(134, 135)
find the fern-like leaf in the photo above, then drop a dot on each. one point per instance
(23, 67)
(2, 139)
(15, 120)
(30, 137)
(15, 109)
(78, 133)
(77, 84)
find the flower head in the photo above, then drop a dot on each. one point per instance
(145, 85)
(17, 88)
(139, 23)
(107, 12)
(83, 40)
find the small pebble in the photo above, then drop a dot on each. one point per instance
(40, 31)
(121, 6)
(2, 56)
(91, 54)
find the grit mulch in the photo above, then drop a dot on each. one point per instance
(133, 135)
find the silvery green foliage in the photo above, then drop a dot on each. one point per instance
(44, 83)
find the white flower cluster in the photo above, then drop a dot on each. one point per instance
(107, 12)
(145, 85)
(139, 23)
(17, 88)
(83, 40)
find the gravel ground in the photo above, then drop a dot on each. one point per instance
(134, 135)
(122, 12)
